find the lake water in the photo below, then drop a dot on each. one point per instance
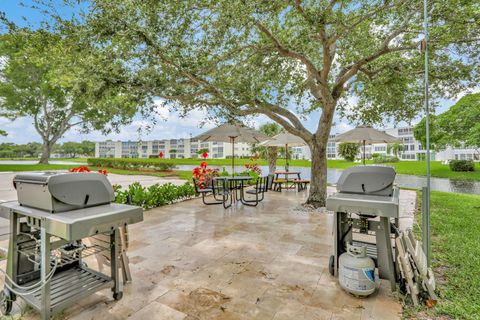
(403, 180)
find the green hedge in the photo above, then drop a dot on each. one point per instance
(154, 196)
(462, 165)
(131, 164)
(385, 159)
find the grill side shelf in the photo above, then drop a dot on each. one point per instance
(68, 286)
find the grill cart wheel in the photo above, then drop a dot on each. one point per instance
(118, 296)
(5, 301)
(331, 265)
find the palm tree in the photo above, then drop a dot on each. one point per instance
(270, 153)
(395, 148)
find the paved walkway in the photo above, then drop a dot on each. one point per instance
(191, 261)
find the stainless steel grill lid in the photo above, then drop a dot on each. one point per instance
(56, 192)
(373, 180)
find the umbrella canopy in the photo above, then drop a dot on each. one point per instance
(228, 132)
(232, 133)
(366, 135)
(284, 140)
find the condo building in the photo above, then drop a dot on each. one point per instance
(169, 148)
(188, 148)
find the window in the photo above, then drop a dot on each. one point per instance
(408, 156)
(405, 131)
(380, 148)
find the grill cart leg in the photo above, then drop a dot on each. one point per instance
(386, 268)
(341, 233)
(114, 264)
(44, 270)
(7, 297)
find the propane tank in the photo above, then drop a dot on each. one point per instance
(356, 271)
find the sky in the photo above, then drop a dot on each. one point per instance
(169, 124)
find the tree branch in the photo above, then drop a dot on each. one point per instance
(284, 51)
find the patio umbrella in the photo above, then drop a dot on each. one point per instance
(232, 133)
(366, 134)
(284, 139)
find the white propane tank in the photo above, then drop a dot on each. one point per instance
(356, 271)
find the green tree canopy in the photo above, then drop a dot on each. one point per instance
(287, 59)
(348, 150)
(62, 81)
(458, 125)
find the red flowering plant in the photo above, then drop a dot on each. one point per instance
(205, 155)
(160, 155)
(253, 170)
(203, 175)
(86, 169)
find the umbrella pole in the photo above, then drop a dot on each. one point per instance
(363, 152)
(233, 155)
(286, 157)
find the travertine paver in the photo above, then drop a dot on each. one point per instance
(191, 261)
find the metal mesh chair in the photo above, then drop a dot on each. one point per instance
(206, 191)
(221, 188)
(261, 186)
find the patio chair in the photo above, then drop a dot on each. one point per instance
(220, 188)
(261, 186)
(205, 192)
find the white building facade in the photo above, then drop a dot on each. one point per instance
(412, 150)
(188, 148)
(170, 149)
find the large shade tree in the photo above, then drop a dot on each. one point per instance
(288, 59)
(458, 126)
(62, 81)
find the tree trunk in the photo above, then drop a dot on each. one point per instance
(318, 149)
(318, 181)
(46, 149)
(272, 154)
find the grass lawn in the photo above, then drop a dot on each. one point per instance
(455, 231)
(52, 159)
(33, 167)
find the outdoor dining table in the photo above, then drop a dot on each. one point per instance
(287, 179)
(235, 183)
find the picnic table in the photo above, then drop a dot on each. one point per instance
(289, 180)
(234, 184)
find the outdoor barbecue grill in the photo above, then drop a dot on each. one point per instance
(54, 212)
(366, 204)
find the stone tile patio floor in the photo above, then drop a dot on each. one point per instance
(191, 261)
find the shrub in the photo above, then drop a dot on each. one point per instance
(131, 164)
(376, 155)
(203, 175)
(385, 159)
(154, 196)
(462, 165)
(348, 150)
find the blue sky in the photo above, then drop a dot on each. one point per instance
(169, 124)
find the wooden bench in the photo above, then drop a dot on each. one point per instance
(301, 184)
(277, 184)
